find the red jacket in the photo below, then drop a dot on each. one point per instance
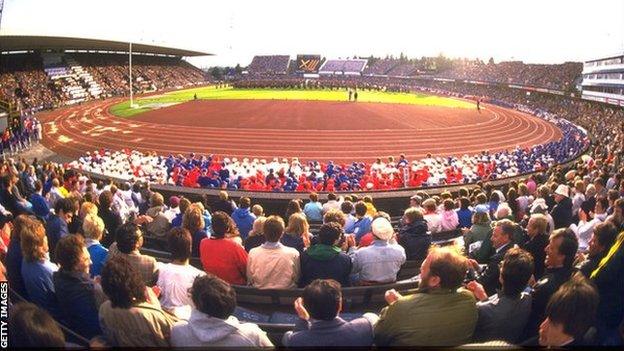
(225, 259)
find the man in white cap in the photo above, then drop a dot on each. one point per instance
(380, 262)
(562, 211)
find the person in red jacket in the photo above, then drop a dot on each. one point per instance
(222, 256)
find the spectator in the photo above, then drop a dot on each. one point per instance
(256, 237)
(78, 296)
(416, 201)
(370, 208)
(449, 219)
(439, 314)
(325, 259)
(560, 254)
(562, 211)
(571, 311)
(243, 217)
(221, 256)
(93, 228)
(176, 278)
(273, 265)
(39, 204)
(37, 269)
(380, 262)
(14, 256)
(294, 206)
(489, 276)
(257, 210)
(159, 225)
(504, 315)
(211, 323)
(332, 203)
(56, 226)
(132, 317)
(464, 213)
(413, 235)
(319, 323)
(478, 234)
(313, 209)
(433, 219)
(600, 242)
(194, 222)
(362, 224)
(112, 220)
(347, 208)
(224, 204)
(297, 233)
(585, 226)
(184, 205)
(32, 327)
(536, 241)
(129, 242)
(174, 208)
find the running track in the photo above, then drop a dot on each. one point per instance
(72, 131)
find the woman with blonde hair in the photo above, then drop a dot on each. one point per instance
(256, 235)
(193, 221)
(297, 233)
(93, 229)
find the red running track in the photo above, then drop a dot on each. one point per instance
(310, 130)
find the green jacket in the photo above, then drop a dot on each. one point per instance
(436, 318)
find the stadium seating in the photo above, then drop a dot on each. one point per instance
(269, 65)
(343, 67)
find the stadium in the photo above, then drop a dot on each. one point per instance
(307, 200)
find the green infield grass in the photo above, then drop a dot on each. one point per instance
(147, 103)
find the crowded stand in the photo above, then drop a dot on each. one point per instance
(380, 67)
(403, 70)
(557, 77)
(343, 67)
(269, 65)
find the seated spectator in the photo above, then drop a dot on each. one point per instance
(617, 218)
(174, 208)
(257, 210)
(562, 211)
(325, 259)
(159, 225)
(39, 204)
(33, 328)
(413, 235)
(432, 217)
(477, 235)
(184, 205)
(56, 225)
(380, 262)
(571, 311)
(224, 204)
(37, 269)
(600, 242)
(211, 323)
(129, 242)
(221, 256)
(78, 296)
(448, 218)
(586, 225)
(362, 224)
(194, 222)
(14, 257)
(504, 315)
(560, 255)
(313, 210)
(132, 317)
(371, 211)
(439, 314)
(112, 220)
(294, 206)
(347, 208)
(273, 265)
(319, 323)
(93, 229)
(536, 241)
(256, 237)
(175, 278)
(243, 217)
(488, 276)
(332, 203)
(297, 233)
(464, 213)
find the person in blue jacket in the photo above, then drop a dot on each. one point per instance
(243, 217)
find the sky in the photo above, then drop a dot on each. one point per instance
(533, 31)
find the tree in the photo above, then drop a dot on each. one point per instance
(238, 68)
(491, 61)
(216, 73)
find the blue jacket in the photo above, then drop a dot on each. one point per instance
(337, 332)
(37, 278)
(361, 227)
(14, 268)
(56, 228)
(76, 298)
(465, 218)
(244, 221)
(39, 205)
(313, 211)
(98, 254)
(296, 242)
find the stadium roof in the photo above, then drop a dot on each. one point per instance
(30, 42)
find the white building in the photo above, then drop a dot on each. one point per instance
(603, 80)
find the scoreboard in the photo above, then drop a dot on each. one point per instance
(308, 63)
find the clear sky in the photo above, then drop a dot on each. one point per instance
(536, 31)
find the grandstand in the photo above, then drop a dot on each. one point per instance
(344, 67)
(269, 65)
(603, 80)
